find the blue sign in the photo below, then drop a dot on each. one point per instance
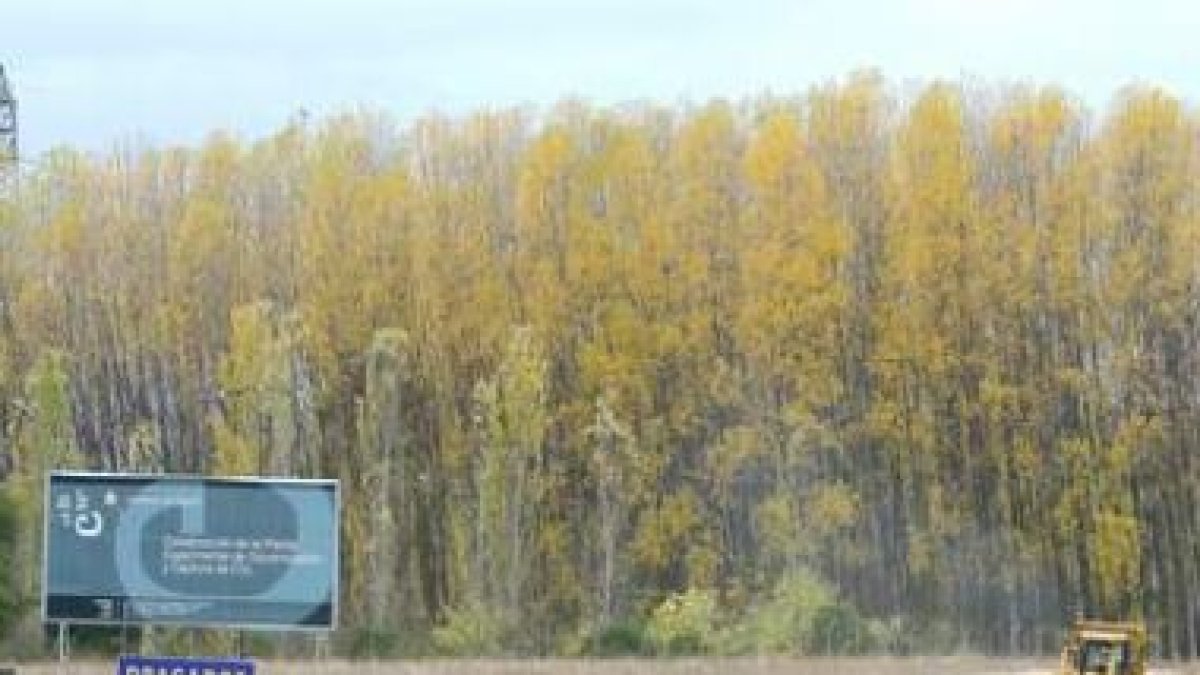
(189, 550)
(153, 665)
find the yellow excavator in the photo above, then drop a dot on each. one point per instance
(1106, 647)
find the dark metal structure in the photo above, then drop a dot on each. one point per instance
(8, 120)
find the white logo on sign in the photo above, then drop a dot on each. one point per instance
(89, 524)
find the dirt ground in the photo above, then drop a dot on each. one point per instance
(764, 666)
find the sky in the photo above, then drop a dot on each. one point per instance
(96, 73)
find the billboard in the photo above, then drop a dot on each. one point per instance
(189, 550)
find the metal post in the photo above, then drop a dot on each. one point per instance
(9, 147)
(64, 649)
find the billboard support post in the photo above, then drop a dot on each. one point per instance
(64, 636)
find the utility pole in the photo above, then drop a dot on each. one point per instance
(9, 157)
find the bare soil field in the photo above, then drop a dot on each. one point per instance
(751, 666)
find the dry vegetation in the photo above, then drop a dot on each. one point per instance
(764, 666)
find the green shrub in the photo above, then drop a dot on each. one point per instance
(12, 604)
(684, 624)
(786, 622)
(838, 630)
(892, 635)
(625, 637)
(904, 635)
(802, 615)
(470, 631)
(371, 643)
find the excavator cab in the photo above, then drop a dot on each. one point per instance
(1105, 648)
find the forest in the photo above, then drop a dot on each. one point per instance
(871, 368)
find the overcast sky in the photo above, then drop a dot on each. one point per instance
(94, 72)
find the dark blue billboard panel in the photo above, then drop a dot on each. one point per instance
(189, 550)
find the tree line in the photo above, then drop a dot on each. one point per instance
(927, 356)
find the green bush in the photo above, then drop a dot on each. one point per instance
(684, 624)
(12, 605)
(471, 631)
(786, 622)
(838, 630)
(625, 637)
(372, 643)
(905, 635)
(801, 615)
(891, 635)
